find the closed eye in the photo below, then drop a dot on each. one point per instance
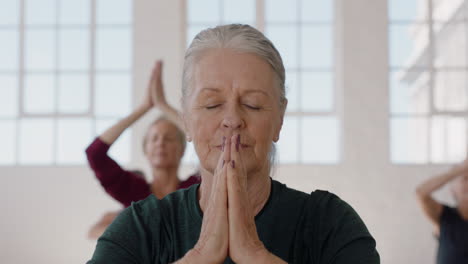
(212, 106)
(252, 107)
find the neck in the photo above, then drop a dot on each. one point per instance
(165, 181)
(258, 190)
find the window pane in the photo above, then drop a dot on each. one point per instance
(320, 140)
(281, 11)
(203, 11)
(406, 10)
(409, 139)
(40, 12)
(317, 46)
(75, 12)
(9, 13)
(114, 11)
(239, 11)
(39, 93)
(74, 49)
(190, 155)
(287, 146)
(73, 136)
(36, 141)
(317, 10)
(73, 93)
(448, 139)
(292, 91)
(317, 92)
(285, 40)
(120, 150)
(408, 45)
(451, 46)
(409, 92)
(448, 10)
(114, 49)
(450, 90)
(456, 139)
(9, 52)
(113, 95)
(8, 96)
(8, 142)
(40, 49)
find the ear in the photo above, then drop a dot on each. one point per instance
(280, 122)
(185, 122)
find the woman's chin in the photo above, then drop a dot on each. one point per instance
(161, 164)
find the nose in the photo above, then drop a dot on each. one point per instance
(233, 119)
(160, 141)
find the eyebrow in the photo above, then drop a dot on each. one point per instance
(257, 91)
(210, 89)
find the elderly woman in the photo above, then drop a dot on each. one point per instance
(450, 223)
(234, 103)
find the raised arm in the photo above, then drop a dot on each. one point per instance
(112, 134)
(154, 97)
(430, 206)
(158, 96)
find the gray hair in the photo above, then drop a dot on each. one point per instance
(238, 37)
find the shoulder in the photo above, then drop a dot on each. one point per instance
(283, 192)
(318, 206)
(333, 214)
(449, 215)
(337, 227)
(143, 212)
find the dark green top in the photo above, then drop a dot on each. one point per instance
(295, 226)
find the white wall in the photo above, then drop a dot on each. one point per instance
(46, 212)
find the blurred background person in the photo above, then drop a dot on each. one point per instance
(164, 145)
(450, 223)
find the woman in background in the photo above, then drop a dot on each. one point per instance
(450, 224)
(163, 145)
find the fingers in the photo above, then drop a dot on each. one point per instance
(235, 152)
(155, 72)
(158, 71)
(236, 166)
(220, 163)
(236, 179)
(219, 189)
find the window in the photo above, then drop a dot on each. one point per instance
(428, 80)
(66, 76)
(302, 31)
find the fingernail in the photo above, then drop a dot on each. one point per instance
(233, 164)
(238, 142)
(224, 143)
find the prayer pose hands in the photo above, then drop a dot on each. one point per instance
(228, 227)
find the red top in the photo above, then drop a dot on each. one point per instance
(123, 185)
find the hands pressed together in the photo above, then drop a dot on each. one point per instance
(155, 96)
(228, 227)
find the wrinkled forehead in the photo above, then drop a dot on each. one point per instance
(221, 68)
